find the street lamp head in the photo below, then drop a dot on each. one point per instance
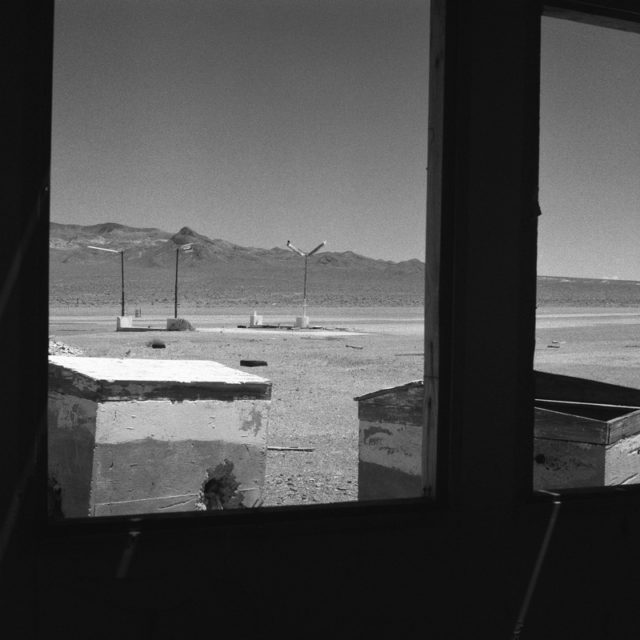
(89, 246)
(317, 248)
(295, 249)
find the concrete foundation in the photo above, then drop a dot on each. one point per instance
(255, 320)
(143, 436)
(124, 322)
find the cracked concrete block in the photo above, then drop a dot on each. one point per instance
(131, 436)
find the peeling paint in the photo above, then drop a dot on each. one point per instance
(396, 447)
(369, 432)
(253, 422)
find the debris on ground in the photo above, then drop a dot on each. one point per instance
(353, 346)
(290, 449)
(180, 324)
(61, 349)
(253, 363)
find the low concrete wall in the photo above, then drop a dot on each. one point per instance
(124, 322)
(141, 436)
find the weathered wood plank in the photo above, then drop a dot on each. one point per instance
(622, 462)
(432, 281)
(624, 427)
(402, 406)
(624, 16)
(560, 464)
(564, 426)
(604, 412)
(553, 386)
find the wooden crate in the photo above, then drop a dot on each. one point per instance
(587, 433)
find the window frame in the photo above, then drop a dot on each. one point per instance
(620, 15)
(456, 458)
(235, 517)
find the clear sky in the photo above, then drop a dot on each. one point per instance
(590, 152)
(255, 121)
(259, 121)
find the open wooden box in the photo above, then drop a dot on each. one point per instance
(587, 433)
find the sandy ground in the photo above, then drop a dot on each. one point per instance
(596, 343)
(315, 374)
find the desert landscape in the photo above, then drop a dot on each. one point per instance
(368, 335)
(371, 336)
(315, 374)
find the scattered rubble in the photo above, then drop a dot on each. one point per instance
(60, 349)
(253, 363)
(179, 324)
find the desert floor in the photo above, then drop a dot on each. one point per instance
(315, 374)
(599, 343)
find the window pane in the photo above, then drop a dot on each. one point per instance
(587, 430)
(198, 361)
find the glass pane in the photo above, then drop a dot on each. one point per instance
(587, 430)
(207, 351)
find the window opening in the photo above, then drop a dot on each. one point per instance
(199, 360)
(588, 315)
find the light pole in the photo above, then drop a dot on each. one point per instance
(186, 248)
(306, 256)
(121, 252)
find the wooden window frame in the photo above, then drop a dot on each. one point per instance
(481, 229)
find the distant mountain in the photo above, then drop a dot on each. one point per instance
(570, 291)
(216, 272)
(150, 247)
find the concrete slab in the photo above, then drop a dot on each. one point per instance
(150, 371)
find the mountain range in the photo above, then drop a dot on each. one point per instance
(150, 247)
(215, 271)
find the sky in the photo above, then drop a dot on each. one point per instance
(590, 152)
(260, 121)
(255, 121)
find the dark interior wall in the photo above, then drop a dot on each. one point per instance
(459, 569)
(25, 113)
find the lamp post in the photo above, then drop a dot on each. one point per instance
(121, 252)
(306, 256)
(186, 248)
